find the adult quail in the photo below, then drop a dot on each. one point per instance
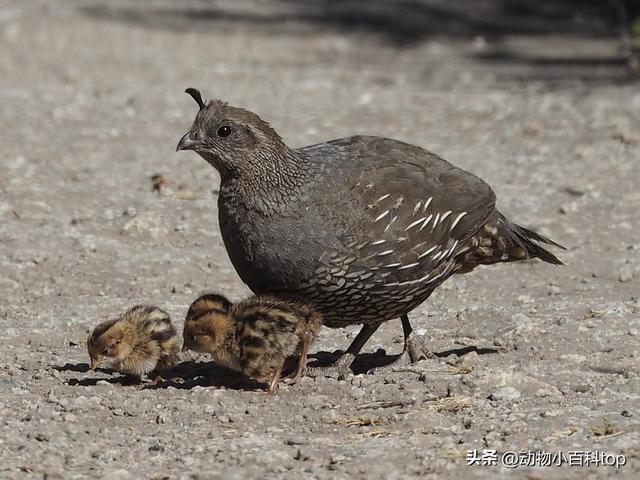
(363, 227)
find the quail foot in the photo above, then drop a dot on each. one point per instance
(365, 228)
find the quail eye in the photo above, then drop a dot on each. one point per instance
(105, 351)
(224, 131)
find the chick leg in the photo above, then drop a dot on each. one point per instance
(302, 361)
(342, 367)
(413, 350)
(273, 386)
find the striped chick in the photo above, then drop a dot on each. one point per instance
(270, 331)
(140, 341)
(255, 336)
(209, 328)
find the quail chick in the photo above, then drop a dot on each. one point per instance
(210, 328)
(140, 341)
(269, 331)
(256, 336)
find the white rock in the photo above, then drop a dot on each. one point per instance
(505, 394)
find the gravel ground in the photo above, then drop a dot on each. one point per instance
(531, 357)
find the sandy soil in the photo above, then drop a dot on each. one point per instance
(531, 357)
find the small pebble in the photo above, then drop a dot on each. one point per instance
(505, 394)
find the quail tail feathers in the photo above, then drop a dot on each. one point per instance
(499, 240)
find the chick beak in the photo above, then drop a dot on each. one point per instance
(187, 142)
(184, 348)
(94, 364)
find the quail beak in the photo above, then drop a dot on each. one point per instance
(187, 142)
(94, 364)
(184, 348)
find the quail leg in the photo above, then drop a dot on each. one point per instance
(342, 367)
(413, 351)
(273, 386)
(413, 343)
(302, 362)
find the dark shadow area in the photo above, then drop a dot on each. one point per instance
(72, 367)
(367, 361)
(187, 375)
(122, 380)
(116, 379)
(184, 375)
(404, 23)
(468, 349)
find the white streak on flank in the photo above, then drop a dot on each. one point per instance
(386, 252)
(438, 255)
(426, 204)
(362, 245)
(398, 202)
(394, 284)
(435, 222)
(383, 197)
(411, 265)
(378, 242)
(417, 207)
(391, 265)
(428, 252)
(390, 223)
(381, 216)
(414, 224)
(445, 215)
(458, 218)
(453, 247)
(422, 279)
(426, 222)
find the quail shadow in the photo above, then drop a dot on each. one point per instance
(368, 361)
(468, 349)
(122, 380)
(362, 363)
(82, 368)
(190, 374)
(324, 358)
(115, 378)
(72, 367)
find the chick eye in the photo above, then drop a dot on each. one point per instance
(224, 131)
(105, 351)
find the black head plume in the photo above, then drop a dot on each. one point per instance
(195, 94)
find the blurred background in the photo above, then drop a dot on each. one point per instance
(98, 212)
(512, 32)
(540, 98)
